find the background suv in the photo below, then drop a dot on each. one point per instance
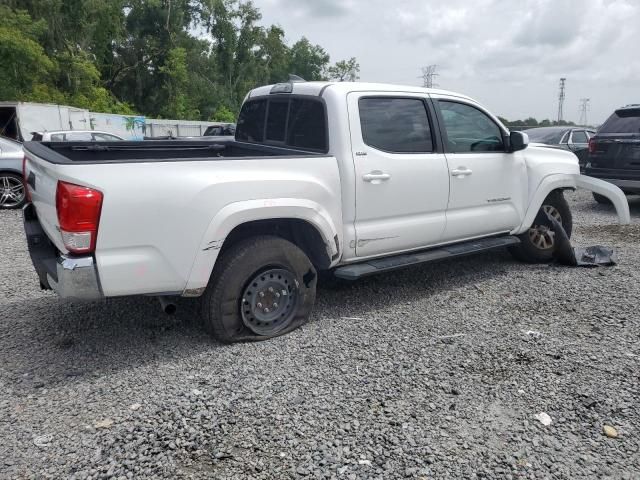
(614, 152)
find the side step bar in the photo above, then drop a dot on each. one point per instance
(372, 267)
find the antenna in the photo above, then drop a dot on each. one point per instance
(561, 100)
(428, 74)
(584, 109)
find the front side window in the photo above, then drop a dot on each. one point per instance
(395, 125)
(470, 130)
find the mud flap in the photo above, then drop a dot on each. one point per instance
(566, 254)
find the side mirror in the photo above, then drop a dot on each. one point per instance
(518, 141)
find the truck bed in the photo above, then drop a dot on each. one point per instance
(167, 206)
(155, 151)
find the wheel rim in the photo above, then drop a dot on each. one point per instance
(542, 236)
(11, 191)
(269, 301)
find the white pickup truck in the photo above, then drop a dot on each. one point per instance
(347, 178)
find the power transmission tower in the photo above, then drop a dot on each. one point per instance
(428, 74)
(584, 109)
(561, 100)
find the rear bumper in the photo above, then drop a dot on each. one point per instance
(69, 276)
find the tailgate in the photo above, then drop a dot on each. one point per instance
(42, 180)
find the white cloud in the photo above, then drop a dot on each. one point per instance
(509, 54)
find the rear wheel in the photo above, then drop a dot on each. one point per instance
(261, 288)
(537, 245)
(12, 191)
(601, 199)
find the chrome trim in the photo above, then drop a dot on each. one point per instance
(77, 278)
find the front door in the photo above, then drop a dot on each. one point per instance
(402, 181)
(488, 184)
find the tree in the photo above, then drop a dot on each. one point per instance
(182, 59)
(308, 61)
(344, 71)
(25, 66)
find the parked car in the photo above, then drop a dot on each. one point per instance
(348, 179)
(614, 152)
(574, 139)
(12, 191)
(223, 130)
(75, 136)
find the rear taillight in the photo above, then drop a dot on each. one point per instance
(78, 216)
(592, 145)
(24, 178)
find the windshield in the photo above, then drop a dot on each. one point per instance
(625, 120)
(539, 135)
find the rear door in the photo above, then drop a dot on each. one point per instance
(488, 185)
(402, 179)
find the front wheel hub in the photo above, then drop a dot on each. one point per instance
(542, 236)
(269, 301)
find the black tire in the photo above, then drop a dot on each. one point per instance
(225, 311)
(601, 199)
(11, 181)
(531, 251)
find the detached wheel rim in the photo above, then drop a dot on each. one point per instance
(269, 301)
(542, 236)
(11, 191)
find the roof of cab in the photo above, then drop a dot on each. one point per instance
(318, 88)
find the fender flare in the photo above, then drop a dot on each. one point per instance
(238, 213)
(550, 183)
(612, 192)
(566, 181)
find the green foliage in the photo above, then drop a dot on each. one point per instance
(308, 61)
(345, 71)
(223, 115)
(182, 59)
(533, 123)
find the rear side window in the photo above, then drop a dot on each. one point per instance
(579, 137)
(395, 125)
(623, 121)
(289, 121)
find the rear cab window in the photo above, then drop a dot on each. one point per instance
(287, 120)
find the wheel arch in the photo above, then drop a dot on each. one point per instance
(304, 223)
(550, 184)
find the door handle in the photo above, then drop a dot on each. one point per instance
(376, 177)
(461, 172)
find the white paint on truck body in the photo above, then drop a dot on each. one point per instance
(163, 223)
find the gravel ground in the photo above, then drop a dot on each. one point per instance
(434, 372)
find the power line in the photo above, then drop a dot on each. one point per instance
(561, 100)
(428, 74)
(584, 109)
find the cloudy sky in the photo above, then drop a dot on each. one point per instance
(508, 54)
